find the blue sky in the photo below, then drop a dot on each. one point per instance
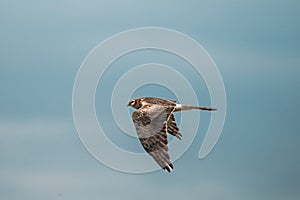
(255, 45)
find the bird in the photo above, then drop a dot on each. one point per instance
(153, 120)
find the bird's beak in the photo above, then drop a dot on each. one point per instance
(128, 104)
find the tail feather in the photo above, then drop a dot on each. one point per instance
(180, 107)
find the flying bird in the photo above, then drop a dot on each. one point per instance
(153, 120)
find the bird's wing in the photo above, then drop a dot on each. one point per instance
(172, 127)
(151, 126)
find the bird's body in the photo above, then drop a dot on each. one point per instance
(153, 119)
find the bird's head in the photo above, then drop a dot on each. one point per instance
(135, 103)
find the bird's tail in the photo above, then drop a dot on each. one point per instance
(180, 107)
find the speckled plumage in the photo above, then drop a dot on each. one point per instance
(153, 119)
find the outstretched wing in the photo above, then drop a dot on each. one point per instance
(172, 127)
(151, 126)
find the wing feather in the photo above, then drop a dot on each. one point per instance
(172, 127)
(151, 125)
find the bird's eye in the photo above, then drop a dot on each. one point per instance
(132, 103)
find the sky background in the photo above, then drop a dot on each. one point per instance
(256, 46)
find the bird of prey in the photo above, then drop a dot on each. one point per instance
(153, 119)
